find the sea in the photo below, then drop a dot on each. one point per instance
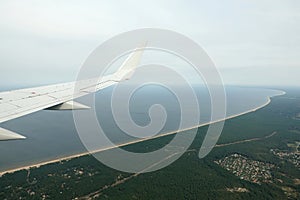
(52, 134)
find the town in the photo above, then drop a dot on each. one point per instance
(247, 169)
(292, 156)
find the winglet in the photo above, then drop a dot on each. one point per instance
(9, 135)
(128, 67)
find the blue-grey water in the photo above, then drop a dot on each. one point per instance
(52, 134)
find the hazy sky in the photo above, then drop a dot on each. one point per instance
(251, 41)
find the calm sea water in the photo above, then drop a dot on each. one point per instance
(52, 134)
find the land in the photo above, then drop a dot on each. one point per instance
(255, 158)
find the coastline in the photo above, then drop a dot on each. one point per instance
(37, 165)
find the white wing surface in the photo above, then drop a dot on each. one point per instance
(17, 103)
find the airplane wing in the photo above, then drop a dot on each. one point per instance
(17, 103)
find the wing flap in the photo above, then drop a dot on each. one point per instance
(70, 105)
(9, 135)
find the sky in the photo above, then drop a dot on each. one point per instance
(252, 42)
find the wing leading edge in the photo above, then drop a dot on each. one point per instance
(17, 103)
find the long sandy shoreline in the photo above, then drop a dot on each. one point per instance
(135, 141)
